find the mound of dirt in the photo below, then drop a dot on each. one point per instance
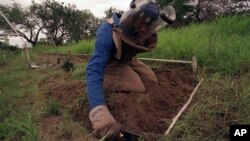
(148, 114)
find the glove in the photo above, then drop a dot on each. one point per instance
(103, 122)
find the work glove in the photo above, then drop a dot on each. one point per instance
(103, 122)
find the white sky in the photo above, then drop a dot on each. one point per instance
(97, 7)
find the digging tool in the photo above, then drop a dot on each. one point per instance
(193, 62)
(124, 136)
(129, 136)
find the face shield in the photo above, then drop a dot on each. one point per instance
(167, 16)
(145, 18)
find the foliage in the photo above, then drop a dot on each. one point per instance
(82, 47)
(63, 22)
(7, 47)
(80, 71)
(53, 107)
(205, 10)
(80, 24)
(109, 12)
(68, 65)
(23, 129)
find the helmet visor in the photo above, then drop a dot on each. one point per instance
(145, 18)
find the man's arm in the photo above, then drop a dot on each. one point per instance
(104, 47)
(102, 121)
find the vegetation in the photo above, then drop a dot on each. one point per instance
(189, 11)
(19, 100)
(221, 46)
(222, 49)
(6, 47)
(63, 22)
(53, 107)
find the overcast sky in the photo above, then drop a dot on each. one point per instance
(97, 7)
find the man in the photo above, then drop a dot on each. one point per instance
(114, 66)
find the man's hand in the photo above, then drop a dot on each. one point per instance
(103, 122)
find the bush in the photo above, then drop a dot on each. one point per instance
(6, 47)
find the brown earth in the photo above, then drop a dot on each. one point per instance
(148, 114)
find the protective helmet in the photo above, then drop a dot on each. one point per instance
(147, 11)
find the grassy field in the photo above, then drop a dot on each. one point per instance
(222, 49)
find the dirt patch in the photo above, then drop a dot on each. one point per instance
(64, 90)
(67, 93)
(55, 128)
(147, 114)
(144, 114)
(49, 128)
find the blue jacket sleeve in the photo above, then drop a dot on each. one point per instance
(104, 48)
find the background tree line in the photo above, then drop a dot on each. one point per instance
(60, 22)
(57, 21)
(205, 10)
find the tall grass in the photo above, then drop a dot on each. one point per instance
(23, 129)
(221, 46)
(18, 89)
(82, 47)
(80, 71)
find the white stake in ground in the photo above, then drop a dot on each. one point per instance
(183, 108)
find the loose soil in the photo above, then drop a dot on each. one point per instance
(148, 114)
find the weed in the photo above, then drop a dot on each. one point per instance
(53, 107)
(80, 72)
(23, 128)
(68, 66)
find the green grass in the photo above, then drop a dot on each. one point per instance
(80, 71)
(221, 46)
(82, 47)
(22, 129)
(17, 91)
(53, 107)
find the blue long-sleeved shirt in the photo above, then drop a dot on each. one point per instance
(104, 49)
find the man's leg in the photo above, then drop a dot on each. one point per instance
(145, 72)
(122, 78)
